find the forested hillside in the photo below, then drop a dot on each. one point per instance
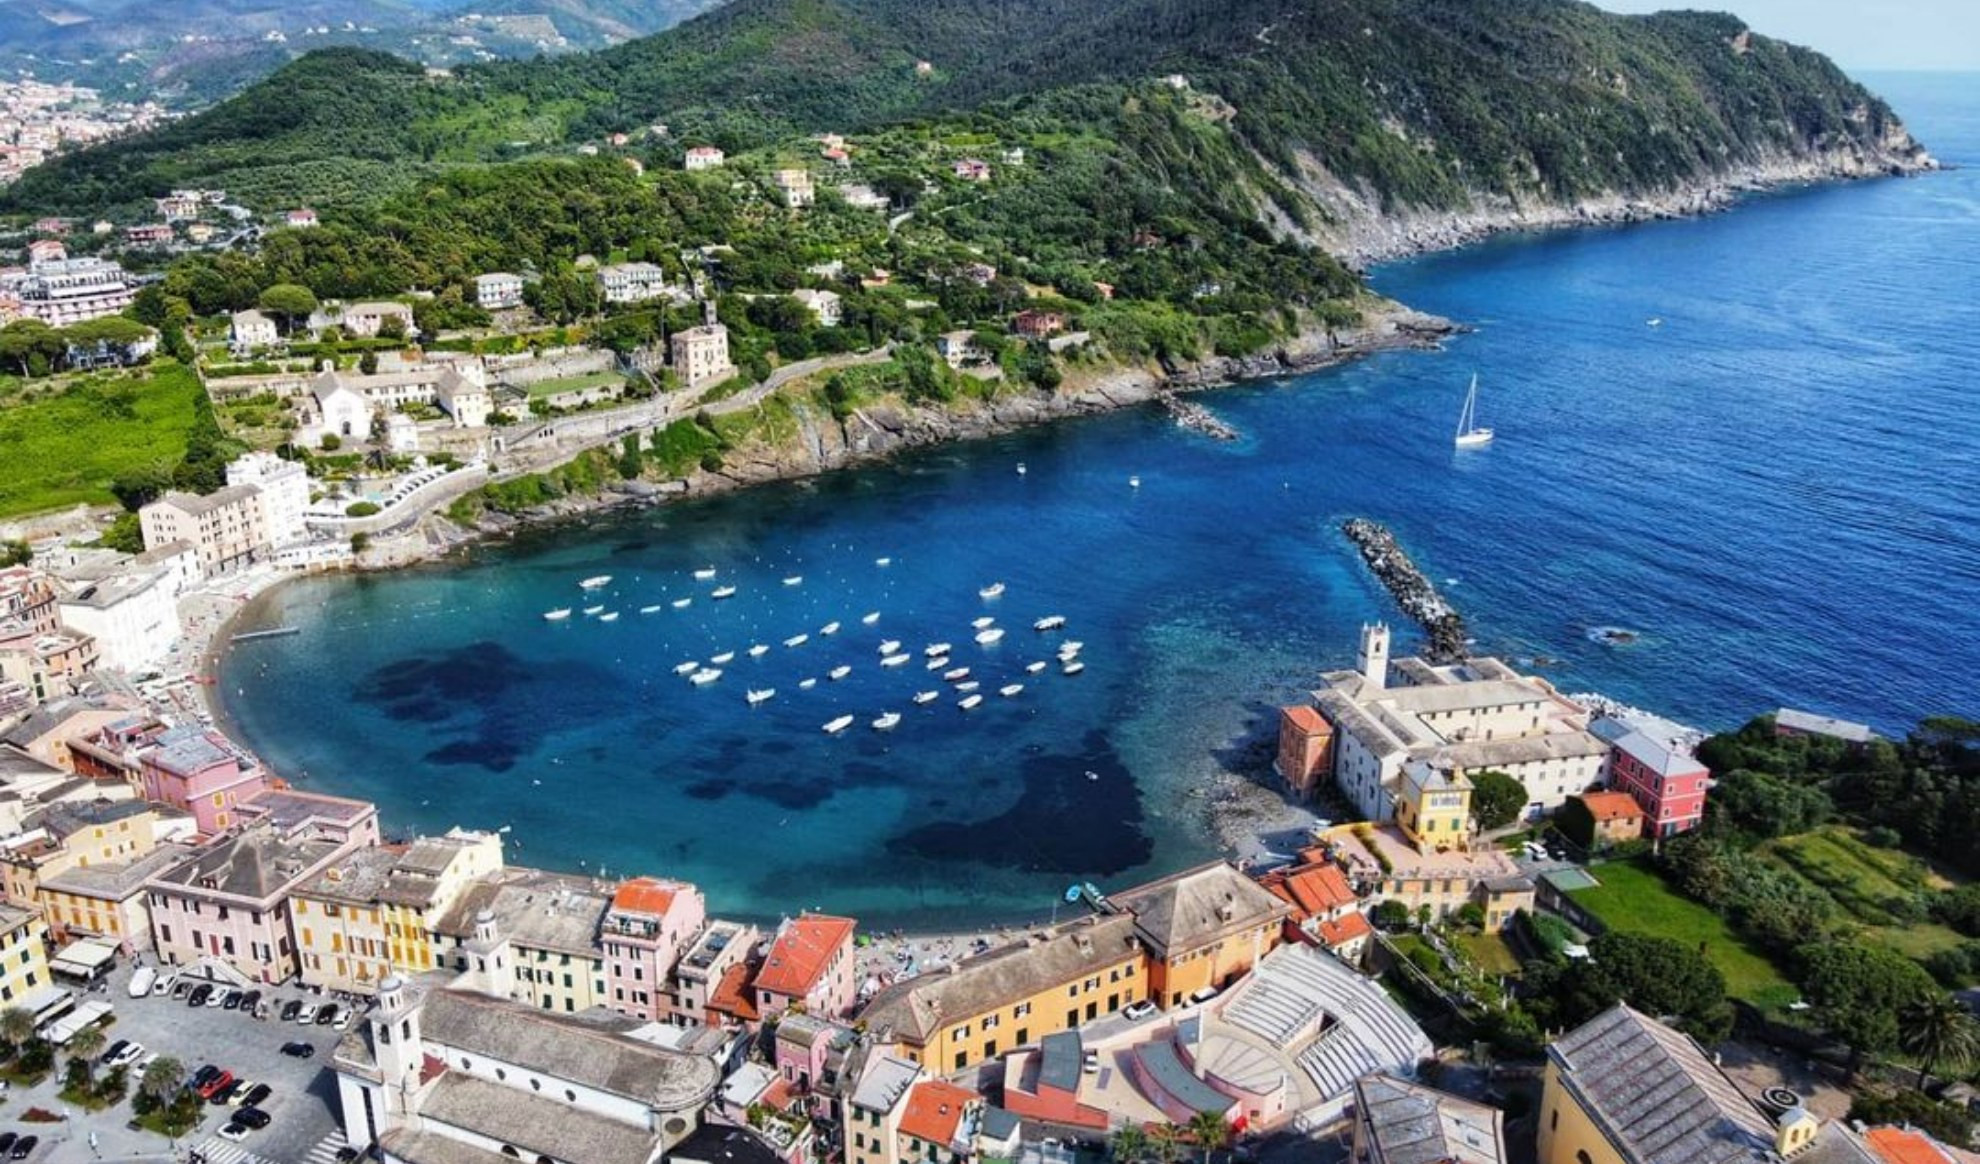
(1415, 102)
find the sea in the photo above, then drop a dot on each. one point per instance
(1752, 441)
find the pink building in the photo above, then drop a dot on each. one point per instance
(199, 771)
(1669, 784)
(649, 924)
(805, 1053)
(228, 903)
(810, 967)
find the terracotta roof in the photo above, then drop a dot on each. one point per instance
(645, 895)
(1315, 889)
(1345, 928)
(1307, 719)
(935, 1108)
(801, 952)
(1906, 1146)
(1608, 806)
(731, 995)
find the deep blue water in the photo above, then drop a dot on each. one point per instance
(1775, 488)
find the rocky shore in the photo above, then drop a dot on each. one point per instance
(1412, 591)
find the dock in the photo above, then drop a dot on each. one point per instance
(279, 632)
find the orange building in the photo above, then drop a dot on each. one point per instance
(1203, 928)
(1306, 750)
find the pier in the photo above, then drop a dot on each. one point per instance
(278, 632)
(1197, 418)
(1411, 589)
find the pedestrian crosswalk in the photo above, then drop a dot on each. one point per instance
(218, 1151)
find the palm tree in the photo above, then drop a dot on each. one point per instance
(163, 1078)
(85, 1043)
(1128, 1146)
(16, 1025)
(1939, 1030)
(1165, 1141)
(1212, 1131)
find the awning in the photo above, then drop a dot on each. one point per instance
(85, 958)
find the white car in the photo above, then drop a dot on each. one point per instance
(234, 1132)
(131, 1053)
(1136, 1011)
(306, 1015)
(165, 983)
(141, 981)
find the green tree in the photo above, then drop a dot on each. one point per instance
(1860, 992)
(15, 553)
(16, 1025)
(1165, 1143)
(1496, 799)
(1769, 806)
(392, 327)
(82, 1048)
(291, 301)
(138, 487)
(1939, 1030)
(31, 346)
(1129, 1145)
(1211, 1131)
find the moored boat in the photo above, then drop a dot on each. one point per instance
(797, 640)
(935, 649)
(758, 651)
(683, 603)
(980, 623)
(807, 684)
(870, 617)
(557, 615)
(830, 628)
(756, 697)
(969, 701)
(1010, 689)
(969, 686)
(649, 609)
(612, 617)
(994, 590)
(793, 580)
(591, 611)
(704, 574)
(597, 582)
(839, 672)
(1049, 622)
(1072, 667)
(838, 725)
(705, 676)
(893, 660)
(722, 592)
(927, 696)
(890, 646)
(883, 561)
(990, 636)
(687, 668)
(887, 721)
(958, 673)
(723, 659)
(1034, 668)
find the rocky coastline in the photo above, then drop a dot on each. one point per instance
(1412, 590)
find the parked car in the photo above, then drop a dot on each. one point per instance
(140, 984)
(1203, 994)
(1136, 1011)
(1090, 1062)
(181, 987)
(253, 1117)
(256, 1095)
(223, 1095)
(233, 999)
(24, 1147)
(344, 1018)
(235, 1132)
(112, 1051)
(7, 1142)
(298, 1050)
(306, 1015)
(328, 1014)
(166, 983)
(199, 1077)
(291, 1009)
(215, 1085)
(217, 996)
(130, 1053)
(238, 1094)
(250, 1000)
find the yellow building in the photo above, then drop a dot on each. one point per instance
(1433, 807)
(1625, 1089)
(1053, 981)
(550, 923)
(23, 954)
(66, 836)
(1203, 927)
(107, 899)
(424, 884)
(374, 912)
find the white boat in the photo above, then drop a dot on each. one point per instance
(705, 676)
(980, 623)
(1069, 648)
(793, 580)
(797, 640)
(1049, 622)
(1021, 469)
(935, 649)
(807, 684)
(1073, 667)
(870, 618)
(883, 561)
(995, 589)
(1655, 321)
(1010, 689)
(890, 646)
(756, 697)
(596, 583)
(990, 636)
(593, 610)
(887, 722)
(839, 672)
(838, 725)
(722, 592)
(1469, 435)
(1034, 668)
(958, 673)
(1134, 482)
(758, 651)
(969, 701)
(969, 686)
(723, 659)
(683, 603)
(830, 628)
(687, 668)
(937, 663)
(705, 574)
(649, 609)
(612, 617)
(894, 660)
(927, 696)
(557, 615)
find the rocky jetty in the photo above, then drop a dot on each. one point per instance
(1198, 419)
(1410, 588)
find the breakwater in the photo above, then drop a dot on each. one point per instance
(1198, 419)
(1412, 590)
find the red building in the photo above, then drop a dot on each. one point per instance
(809, 967)
(1669, 784)
(197, 770)
(1034, 324)
(1306, 750)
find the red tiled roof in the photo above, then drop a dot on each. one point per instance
(645, 895)
(1345, 928)
(1608, 806)
(934, 1108)
(1905, 1146)
(1306, 719)
(430, 1068)
(732, 995)
(1316, 889)
(800, 954)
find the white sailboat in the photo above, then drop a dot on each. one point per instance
(1469, 434)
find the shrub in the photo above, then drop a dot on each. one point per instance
(361, 509)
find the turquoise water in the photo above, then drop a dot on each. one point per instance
(1773, 488)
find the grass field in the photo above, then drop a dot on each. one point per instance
(1488, 952)
(63, 449)
(1633, 899)
(542, 388)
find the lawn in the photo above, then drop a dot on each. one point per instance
(1863, 878)
(1488, 952)
(542, 388)
(59, 450)
(1633, 899)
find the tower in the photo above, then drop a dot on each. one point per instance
(1372, 660)
(395, 1040)
(488, 970)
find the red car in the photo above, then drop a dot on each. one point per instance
(207, 1089)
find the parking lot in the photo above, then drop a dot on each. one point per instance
(302, 1105)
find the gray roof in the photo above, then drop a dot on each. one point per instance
(1660, 758)
(289, 810)
(533, 908)
(998, 1124)
(434, 1148)
(1655, 1094)
(914, 1009)
(716, 1144)
(120, 881)
(1407, 1123)
(1173, 1077)
(564, 1048)
(1196, 907)
(257, 864)
(187, 749)
(1059, 1057)
(218, 499)
(1822, 725)
(885, 1083)
(66, 818)
(536, 1123)
(354, 878)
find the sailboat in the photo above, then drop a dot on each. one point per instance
(1469, 435)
